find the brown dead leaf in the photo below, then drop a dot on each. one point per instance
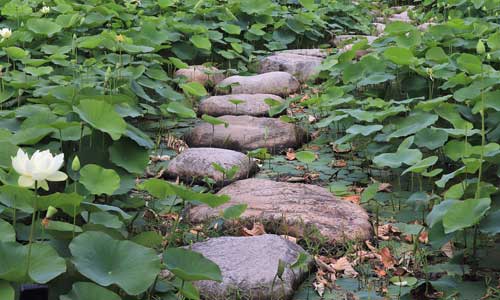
(319, 287)
(362, 256)
(257, 229)
(423, 237)
(384, 232)
(383, 186)
(315, 134)
(313, 147)
(156, 158)
(312, 119)
(290, 154)
(339, 163)
(290, 238)
(386, 258)
(322, 265)
(352, 198)
(380, 272)
(343, 264)
(448, 249)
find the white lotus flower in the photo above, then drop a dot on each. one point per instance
(5, 33)
(45, 10)
(42, 167)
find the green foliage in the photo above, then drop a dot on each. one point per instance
(190, 266)
(107, 261)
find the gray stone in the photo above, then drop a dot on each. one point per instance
(201, 74)
(307, 52)
(277, 83)
(249, 266)
(245, 133)
(253, 105)
(301, 205)
(196, 163)
(379, 28)
(341, 40)
(302, 67)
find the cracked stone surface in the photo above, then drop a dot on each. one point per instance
(300, 204)
(277, 83)
(201, 74)
(196, 163)
(301, 66)
(249, 266)
(245, 133)
(253, 105)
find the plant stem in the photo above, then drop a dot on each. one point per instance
(32, 230)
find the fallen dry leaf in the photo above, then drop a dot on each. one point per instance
(384, 232)
(156, 158)
(312, 119)
(323, 266)
(290, 154)
(386, 258)
(319, 287)
(339, 163)
(290, 238)
(313, 147)
(383, 186)
(448, 249)
(257, 229)
(380, 272)
(424, 237)
(343, 264)
(352, 198)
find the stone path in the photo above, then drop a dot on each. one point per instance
(295, 204)
(237, 104)
(249, 264)
(244, 133)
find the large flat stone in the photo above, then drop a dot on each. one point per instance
(302, 67)
(245, 133)
(249, 266)
(253, 105)
(305, 204)
(277, 83)
(308, 52)
(196, 163)
(201, 74)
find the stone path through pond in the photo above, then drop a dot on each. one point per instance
(249, 264)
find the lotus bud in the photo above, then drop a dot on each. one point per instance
(480, 48)
(488, 56)
(75, 165)
(51, 211)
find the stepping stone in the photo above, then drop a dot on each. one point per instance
(201, 74)
(300, 204)
(425, 26)
(341, 40)
(196, 163)
(301, 66)
(403, 17)
(249, 266)
(379, 28)
(253, 105)
(277, 83)
(245, 133)
(307, 52)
